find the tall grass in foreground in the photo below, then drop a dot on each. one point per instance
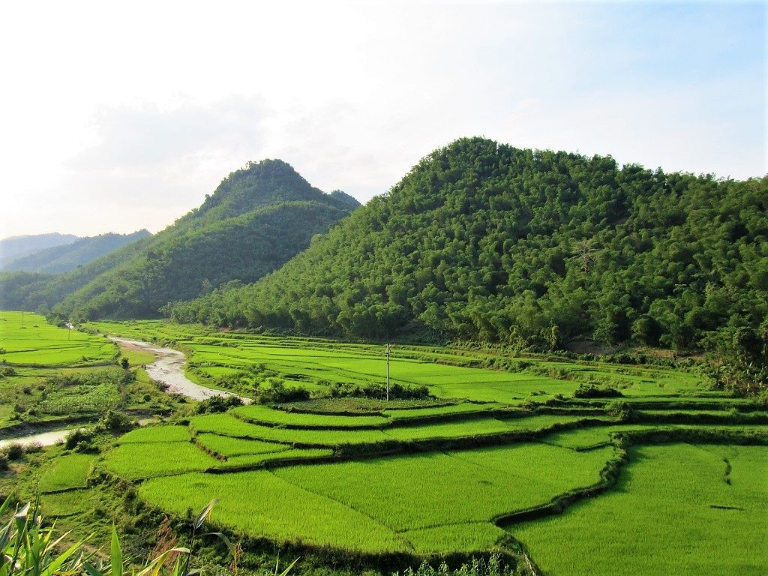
(28, 548)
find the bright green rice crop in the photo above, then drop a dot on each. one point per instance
(672, 512)
(224, 424)
(66, 472)
(150, 459)
(27, 339)
(262, 504)
(156, 434)
(231, 447)
(429, 490)
(463, 537)
(264, 415)
(254, 460)
(450, 409)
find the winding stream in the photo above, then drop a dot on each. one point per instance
(169, 370)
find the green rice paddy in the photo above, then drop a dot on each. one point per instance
(673, 482)
(66, 473)
(673, 511)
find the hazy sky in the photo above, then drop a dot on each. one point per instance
(116, 116)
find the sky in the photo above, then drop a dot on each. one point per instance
(117, 116)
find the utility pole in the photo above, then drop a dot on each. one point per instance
(387, 372)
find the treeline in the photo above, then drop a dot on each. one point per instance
(256, 220)
(531, 248)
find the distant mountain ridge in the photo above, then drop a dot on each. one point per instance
(19, 246)
(68, 257)
(257, 219)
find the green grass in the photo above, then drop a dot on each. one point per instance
(265, 415)
(66, 473)
(232, 447)
(136, 357)
(64, 504)
(436, 489)
(156, 434)
(273, 508)
(146, 460)
(672, 512)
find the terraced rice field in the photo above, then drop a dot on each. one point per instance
(668, 478)
(673, 511)
(316, 363)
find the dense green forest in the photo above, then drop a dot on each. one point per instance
(485, 241)
(68, 257)
(256, 220)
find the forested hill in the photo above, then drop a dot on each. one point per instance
(66, 258)
(490, 242)
(256, 220)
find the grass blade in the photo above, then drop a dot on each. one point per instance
(117, 554)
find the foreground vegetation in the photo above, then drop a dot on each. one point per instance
(477, 453)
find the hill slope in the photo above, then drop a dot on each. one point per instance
(489, 242)
(19, 246)
(257, 219)
(66, 258)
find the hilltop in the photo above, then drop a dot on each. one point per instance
(488, 242)
(256, 220)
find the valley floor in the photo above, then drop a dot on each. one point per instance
(573, 467)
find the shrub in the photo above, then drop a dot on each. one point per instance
(279, 392)
(218, 404)
(620, 410)
(14, 451)
(6, 371)
(590, 391)
(114, 422)
(80, 439)
(378, 390)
